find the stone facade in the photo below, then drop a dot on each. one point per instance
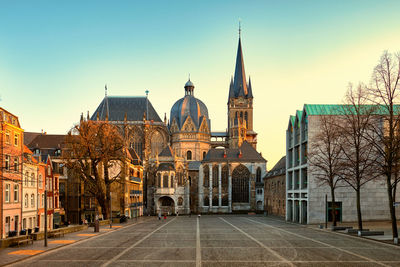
(275, 189)
(305, 197)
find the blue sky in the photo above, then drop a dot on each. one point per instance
(55, 57)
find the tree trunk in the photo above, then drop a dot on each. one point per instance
(391, 207)
(359, 216)
(333, 210)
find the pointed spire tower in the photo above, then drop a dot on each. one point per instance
(240, 102)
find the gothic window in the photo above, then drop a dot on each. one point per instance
(246, 119)
(240, 184)
(137, 141)
(258, 175)
(180, 201)
(224, 177)
(204, 154)
(206, 201)
(189, 155)
(215, 201)
(206, 176)
(215, 176)
(157, 143)
(159, 180)
(165, 180)
(180, 177)
(241, 114)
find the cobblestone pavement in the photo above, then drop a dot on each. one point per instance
(219, 240)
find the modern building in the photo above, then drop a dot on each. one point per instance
(275, 189)
(305, 196)
(11, 158)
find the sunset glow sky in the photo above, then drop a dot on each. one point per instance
(56, 57)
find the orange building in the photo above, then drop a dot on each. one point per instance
(11, 151)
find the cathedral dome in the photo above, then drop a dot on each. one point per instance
(189, 106)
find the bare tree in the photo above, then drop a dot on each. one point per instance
(384, 91)
(359, 164)
(325, 156)
(95, 153)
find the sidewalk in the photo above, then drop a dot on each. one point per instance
(14, 254)
(385, 226)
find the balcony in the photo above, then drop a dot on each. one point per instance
(165, 191)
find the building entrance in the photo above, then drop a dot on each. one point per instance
(166, 205)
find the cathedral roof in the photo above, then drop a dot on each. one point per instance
(239, 86)
(189, 106)
(166, 152)
(166, 167)
(118, 106)
(246, 153)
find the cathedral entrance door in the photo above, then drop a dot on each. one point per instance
(167, 205)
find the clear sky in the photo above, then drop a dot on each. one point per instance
(56, 56)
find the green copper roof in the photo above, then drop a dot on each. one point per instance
(312, 109)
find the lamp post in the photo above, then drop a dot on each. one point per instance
(45, 218)
(110, 210)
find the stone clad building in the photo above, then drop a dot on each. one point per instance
(275, 189)
(305, 197)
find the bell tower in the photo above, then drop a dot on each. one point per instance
(240, 105)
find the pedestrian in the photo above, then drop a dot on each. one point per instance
(165, 216)
(177, 213)
(159, 215)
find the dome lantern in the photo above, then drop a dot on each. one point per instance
(189, 87)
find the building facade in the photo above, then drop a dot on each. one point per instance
(305, 197)
(275, 189)
(11, 158)
(29, 191)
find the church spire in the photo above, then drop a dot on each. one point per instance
(239, 82)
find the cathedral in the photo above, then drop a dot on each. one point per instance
(188, 168)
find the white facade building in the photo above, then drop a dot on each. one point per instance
(305, 197)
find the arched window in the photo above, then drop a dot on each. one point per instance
(206, 176)
(159, 180)
(165, 180)
(157, 143)
(32, 200)
(180, 201)
(32, 179)
(189, 155)
(224, 177)
(204, 155)
(179, 176)
(258, 175)
(241, 114)
(240, 184)
(26, 201)
(215, 176)
(26, 178)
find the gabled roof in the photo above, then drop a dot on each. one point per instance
(134, 156)
(278, 169)
(47, 141)
(248, 154)
(118, 106)
(29, 136)
(165, 167)
(166, 152)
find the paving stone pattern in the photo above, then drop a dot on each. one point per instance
(226, 240)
